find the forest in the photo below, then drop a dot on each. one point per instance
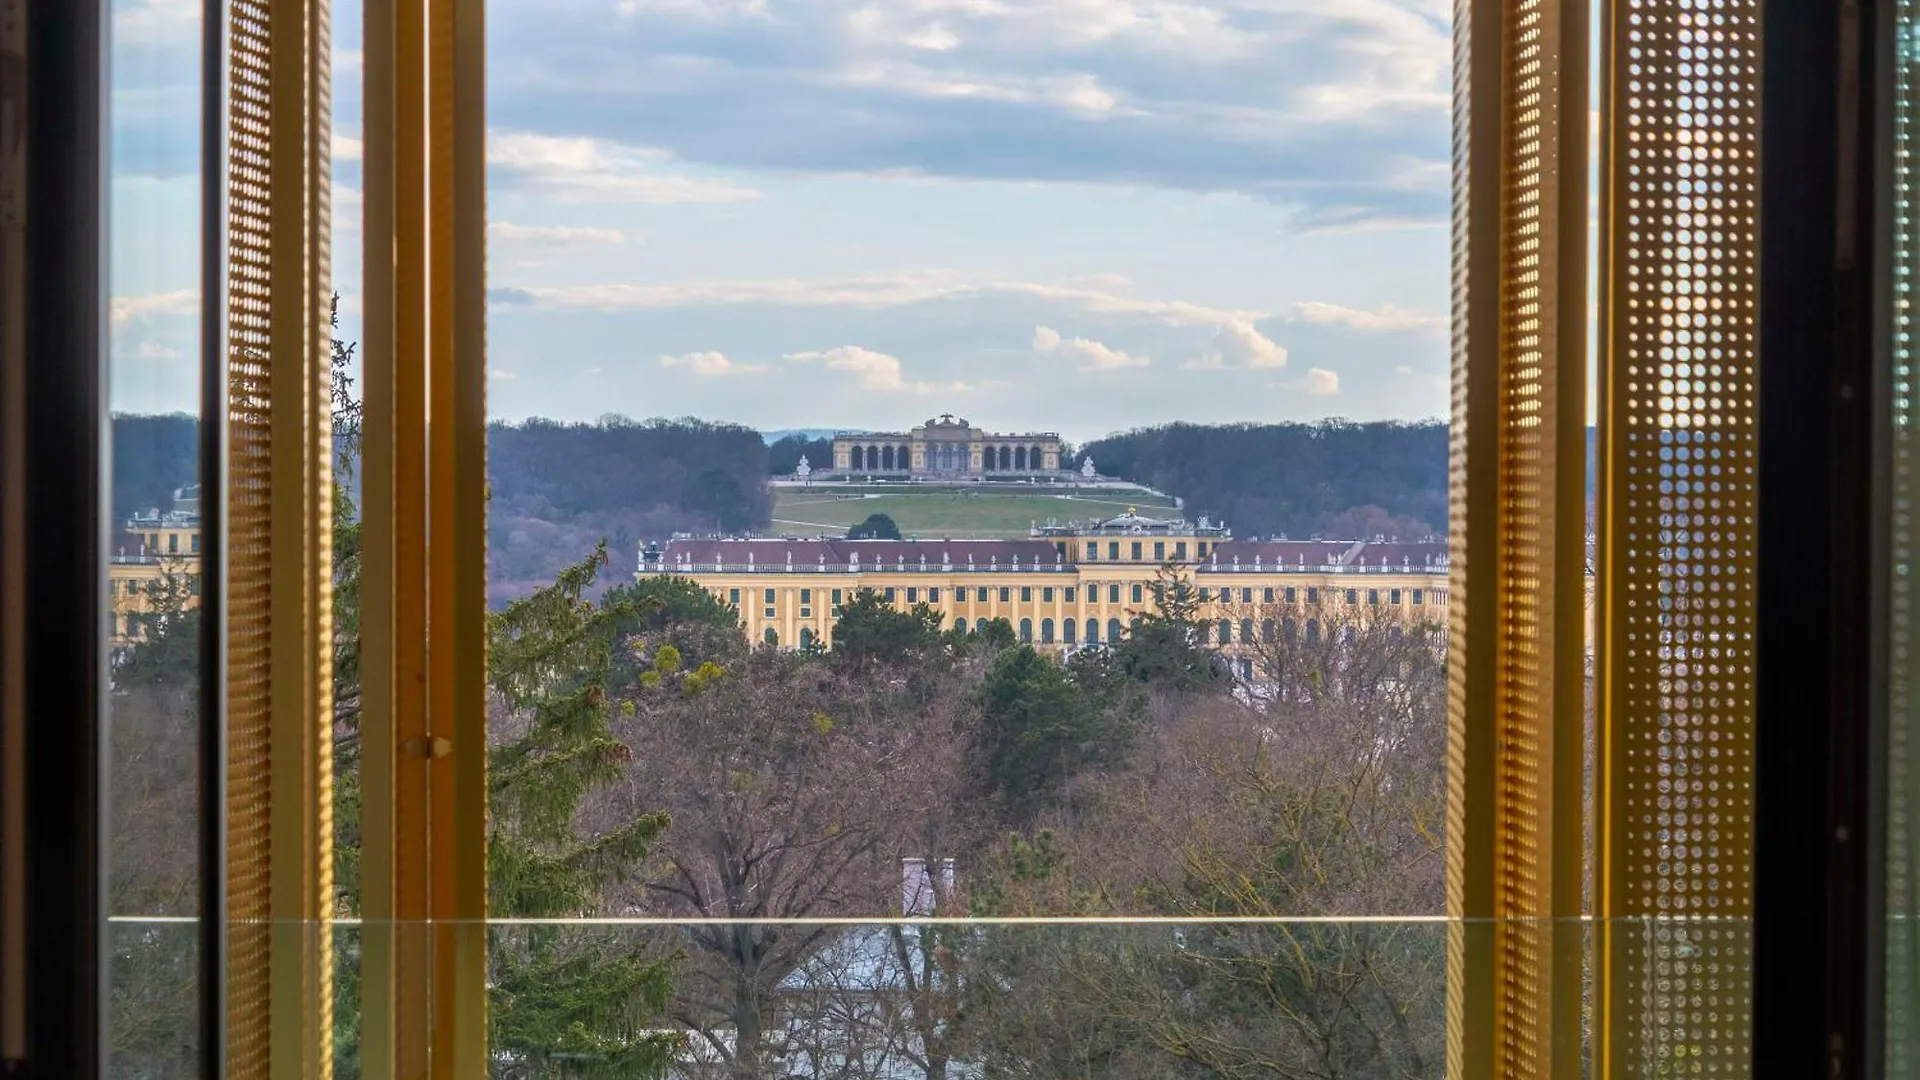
(1332, 478)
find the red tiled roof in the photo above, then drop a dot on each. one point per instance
(838, 552)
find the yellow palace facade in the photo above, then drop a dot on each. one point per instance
(155, 551)
(1064, 586)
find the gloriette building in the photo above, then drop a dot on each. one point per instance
(946, 448)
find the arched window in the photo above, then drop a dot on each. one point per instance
(1246, 631)
(1006, 458)
(1393, 634)
(853, 458)
(886, 458)
(1046, 631)
(1226, 631)
(1288, 628)
(873, 458)
(806, 638)
(771, 637)
(960, 625)
(1313, 631)
(1066, 631)
(902, 459)
(1093, 631)
(1034, 459)
(1020, 459)
(1267, 630)
(1113, 631)
(1026, 629)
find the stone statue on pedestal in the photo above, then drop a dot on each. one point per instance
(1086, 467)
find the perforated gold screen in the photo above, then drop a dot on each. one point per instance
(279, 531)
(1903, 663)
(1678, 491)
(1516, 632)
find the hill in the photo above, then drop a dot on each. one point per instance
(152, 457)
(1333, 478)
(997, 510)
(559, 488)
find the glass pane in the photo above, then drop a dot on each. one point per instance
(1010, 328)
(154, 553)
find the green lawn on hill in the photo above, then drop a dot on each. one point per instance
(963, 512)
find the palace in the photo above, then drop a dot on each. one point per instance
(1065, 585)
(155, 549)
(944, 448)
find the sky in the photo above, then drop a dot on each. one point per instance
(1069, 215)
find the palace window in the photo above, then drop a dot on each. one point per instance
(1313, 631)
(913, 595)
(1313, 595)
(1113, 593)
(1046, 631)
(1005, 594)
(1205, 594)
(1113, 630)
(889, 594)
(1290, 594)
(1267, 629)
(1093, 551)
(1071, 593)
(1026, 594)
(771, 637)
(960, 625)
(1200, 549)
(1046, 594)
(769, 597)
(1268, 596)
(836, 601)
(933, 596)
(1226, 631)
(1093, 631)
(1373, 597)
(173, 543)
(1353, 596)
(1393, 596)
(1418, 599)
(733, 597)
(806, 638)
(981, 596)
(1180, 550)
(1026, 629)
(1113, 550)
(1136, 551)
(1246, 631)
(806, 596)
(1159, 551)
(1136, 592)
(1066, 631)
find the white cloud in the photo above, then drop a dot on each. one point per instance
(1386, 319)
(1238, 343)
(710, 365)
(502, 375)
(1079, 93)
(154, 22)
(347, 148)
(177, 302)
(1322, 383)
(149, 349)
(506, 232)
(874, 371)
(1089, 355)
(1403, 371)
(599, 170)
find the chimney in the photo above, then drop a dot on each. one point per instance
(917, 894)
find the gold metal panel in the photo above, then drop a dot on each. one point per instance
(1517, 479)
(280, 563)
(1676, 525)
(424, 532)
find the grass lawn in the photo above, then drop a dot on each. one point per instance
(949, 512)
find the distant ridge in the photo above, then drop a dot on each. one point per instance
(772, 437)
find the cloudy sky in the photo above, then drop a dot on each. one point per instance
(1079, 215)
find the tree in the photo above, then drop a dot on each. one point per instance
(565, 1000)
(875, 527)
(1279, 806)
(795, 789)
(1040, 725)
(1166, 646)
(871, 630)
